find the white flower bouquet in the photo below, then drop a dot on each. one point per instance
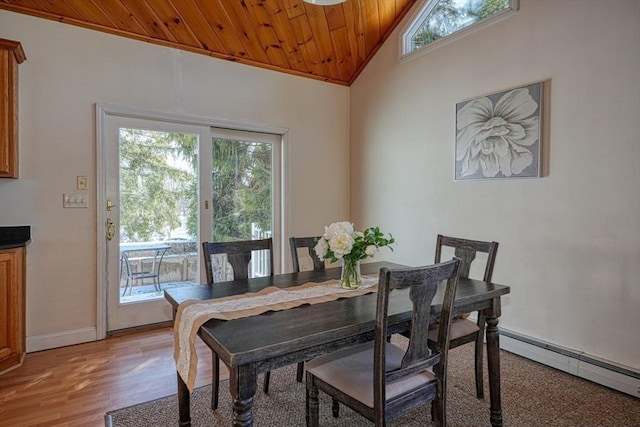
(341, 241)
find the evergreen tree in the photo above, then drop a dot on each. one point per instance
(449, 16)
(159, 185)
(152, 183)
(241, 188)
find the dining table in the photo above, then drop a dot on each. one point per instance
(256, 344)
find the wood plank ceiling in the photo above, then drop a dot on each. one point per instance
(330, 43)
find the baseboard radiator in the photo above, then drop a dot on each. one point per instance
(617, 377)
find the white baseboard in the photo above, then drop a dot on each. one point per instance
(621, 378)
(60, 339)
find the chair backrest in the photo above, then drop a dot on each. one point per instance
(422, 283)
(238, 255)
(304, 242)
(466, 250)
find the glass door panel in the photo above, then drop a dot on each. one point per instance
(152, 189)
(244, 194)
(158, 212)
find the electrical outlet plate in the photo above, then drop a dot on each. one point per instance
(74, 200)
(81, 182)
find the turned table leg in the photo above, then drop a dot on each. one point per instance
(493, 361)
(243, 383)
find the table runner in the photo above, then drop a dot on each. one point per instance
(192, 314)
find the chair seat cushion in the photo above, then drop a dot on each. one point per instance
(459, 328)
(351, 371)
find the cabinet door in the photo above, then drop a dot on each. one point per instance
(11, 307)
(11, 54)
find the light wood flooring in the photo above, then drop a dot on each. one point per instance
(76, 385)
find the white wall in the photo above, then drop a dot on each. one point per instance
(570, 241)
(68, 70)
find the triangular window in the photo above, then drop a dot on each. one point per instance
(441, 21)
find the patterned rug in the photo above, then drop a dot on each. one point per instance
(532, 395)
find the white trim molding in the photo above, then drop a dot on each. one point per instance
(61, 339)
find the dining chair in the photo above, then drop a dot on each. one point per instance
(238, 255)
(380, 380)
(308, 243)
(464, 331)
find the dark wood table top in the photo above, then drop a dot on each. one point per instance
(276, 338)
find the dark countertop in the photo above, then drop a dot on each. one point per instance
(13, 237)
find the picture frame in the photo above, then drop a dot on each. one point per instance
(498, 136)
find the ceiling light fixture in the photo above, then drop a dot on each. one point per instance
(324, 2)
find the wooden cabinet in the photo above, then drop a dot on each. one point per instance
(11, 54)
(12, 307)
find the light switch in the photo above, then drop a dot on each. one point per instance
(74, 200)
(81, 183)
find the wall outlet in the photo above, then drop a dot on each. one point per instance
(81, 183)
(74, 200)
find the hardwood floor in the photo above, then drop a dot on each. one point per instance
(76, 385)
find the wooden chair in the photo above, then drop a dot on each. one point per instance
(380, 380)
(238, 255)
(305, 242)
(465, 331)
(309, 243)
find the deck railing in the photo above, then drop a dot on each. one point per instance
(260, 262)
(180, 263)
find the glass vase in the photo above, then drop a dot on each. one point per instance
(350, 277)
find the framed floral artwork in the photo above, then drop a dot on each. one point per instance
(498, 135)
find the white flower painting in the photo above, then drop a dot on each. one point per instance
(498, 136)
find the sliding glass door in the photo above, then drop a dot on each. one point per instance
(168, 188)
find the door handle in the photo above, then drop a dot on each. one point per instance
(111, 229)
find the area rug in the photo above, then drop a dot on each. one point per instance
(532, 395)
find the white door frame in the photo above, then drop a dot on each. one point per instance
(101, 113)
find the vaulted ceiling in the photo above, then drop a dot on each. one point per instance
(330, 43)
